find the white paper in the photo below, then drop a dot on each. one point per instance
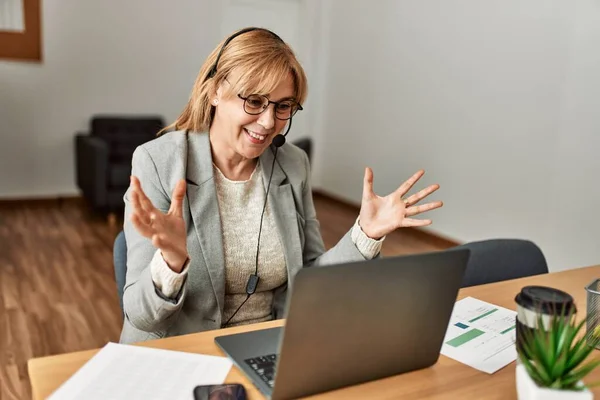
(481, 335)
(121, 371)
(11, 16)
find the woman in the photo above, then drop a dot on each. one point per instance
(219, 215)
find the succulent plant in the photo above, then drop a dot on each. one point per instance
(554, 355)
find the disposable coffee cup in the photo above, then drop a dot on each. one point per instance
(534, 302)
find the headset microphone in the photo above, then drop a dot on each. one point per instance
(279, 140)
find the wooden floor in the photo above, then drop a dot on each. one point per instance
(57, 287)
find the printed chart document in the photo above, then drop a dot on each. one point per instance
(481, 335)
(120, 371)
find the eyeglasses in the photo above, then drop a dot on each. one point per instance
(257, 103)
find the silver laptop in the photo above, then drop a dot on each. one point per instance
(352, 323)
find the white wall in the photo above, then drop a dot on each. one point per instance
(497, 100)
(575, 192)
(109, 56)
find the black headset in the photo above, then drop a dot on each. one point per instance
(213, 70)
(277, 142)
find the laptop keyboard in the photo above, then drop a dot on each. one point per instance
(264, 367)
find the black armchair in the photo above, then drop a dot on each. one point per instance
(103, 157)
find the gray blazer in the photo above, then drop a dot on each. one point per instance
(159, 164)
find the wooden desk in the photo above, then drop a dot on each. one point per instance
(446, 379)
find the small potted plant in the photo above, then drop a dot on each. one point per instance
(553, 360)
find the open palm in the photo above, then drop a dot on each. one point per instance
(166, 230)
(380, 216)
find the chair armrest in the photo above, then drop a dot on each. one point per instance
(91, 158)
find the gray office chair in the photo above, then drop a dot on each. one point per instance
(120, 264)
(498, 260)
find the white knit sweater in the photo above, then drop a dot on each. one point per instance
(240, 207)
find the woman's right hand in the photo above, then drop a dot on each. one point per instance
(167, 231)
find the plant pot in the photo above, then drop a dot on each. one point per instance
(527, 389)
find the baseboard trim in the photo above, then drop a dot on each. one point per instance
(40, 201)
(427, 235)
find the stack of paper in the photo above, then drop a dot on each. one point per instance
(481, 335)
(120, 371)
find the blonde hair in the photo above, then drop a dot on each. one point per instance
(254, 62)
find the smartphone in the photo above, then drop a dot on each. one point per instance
(227, 391)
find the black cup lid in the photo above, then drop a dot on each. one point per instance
(548, 300)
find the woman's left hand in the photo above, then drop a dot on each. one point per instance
(380, 216)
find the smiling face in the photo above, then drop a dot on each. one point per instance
(240, 134)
